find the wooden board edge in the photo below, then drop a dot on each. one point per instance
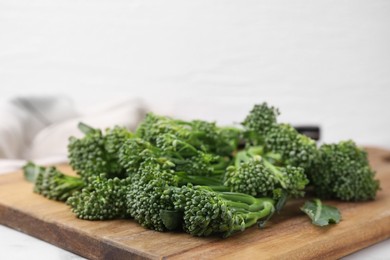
(65, 238)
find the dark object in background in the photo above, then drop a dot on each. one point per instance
(311, 131)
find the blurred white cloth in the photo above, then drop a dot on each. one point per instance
(38, 128)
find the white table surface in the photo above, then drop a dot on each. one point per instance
(16, 245)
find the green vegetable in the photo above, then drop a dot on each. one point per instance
(343, 172)
(261, 128)
(209, 212)
(255, 175)
(259, 121)
(102, 198)
(31, 171)
(205, 179)
(202, 135)
(321, 214)
(96, 153)
(171, 152)
(151, 192)
(51, 183)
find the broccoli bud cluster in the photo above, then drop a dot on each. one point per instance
(343, 172)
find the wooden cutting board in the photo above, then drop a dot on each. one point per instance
(289, 235)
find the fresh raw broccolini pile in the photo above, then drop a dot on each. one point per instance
(202, 178)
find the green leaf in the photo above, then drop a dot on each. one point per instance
(31, 171)
(321, 214)
(86, 129)
(171, 219)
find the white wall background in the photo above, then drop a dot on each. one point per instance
(325, 62)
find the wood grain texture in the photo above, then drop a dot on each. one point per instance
(289, 235)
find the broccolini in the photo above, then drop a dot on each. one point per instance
(200, 177)
(262, 128)
(207, 212)
(51, 183)
(255, 175)
(343, 172)
(204, 136)
(102, 198)
(97, 153)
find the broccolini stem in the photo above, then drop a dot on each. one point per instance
(68, 186)
(245, 201)
(70, 183)
(241, 156)
(275, 170)
(184, 178)
(220, 167)
(219, 188)
(66, 189)
(253, 217)
(256, 150)
(187, 146)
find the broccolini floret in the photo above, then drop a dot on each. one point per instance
(204, 136)
(102, 198)
(207, 212)
(259, 121)
(255, 175)
(97, 153)
(296, 149)
(343, 172)
(149, 195)
(53, 184)
(262, 128)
